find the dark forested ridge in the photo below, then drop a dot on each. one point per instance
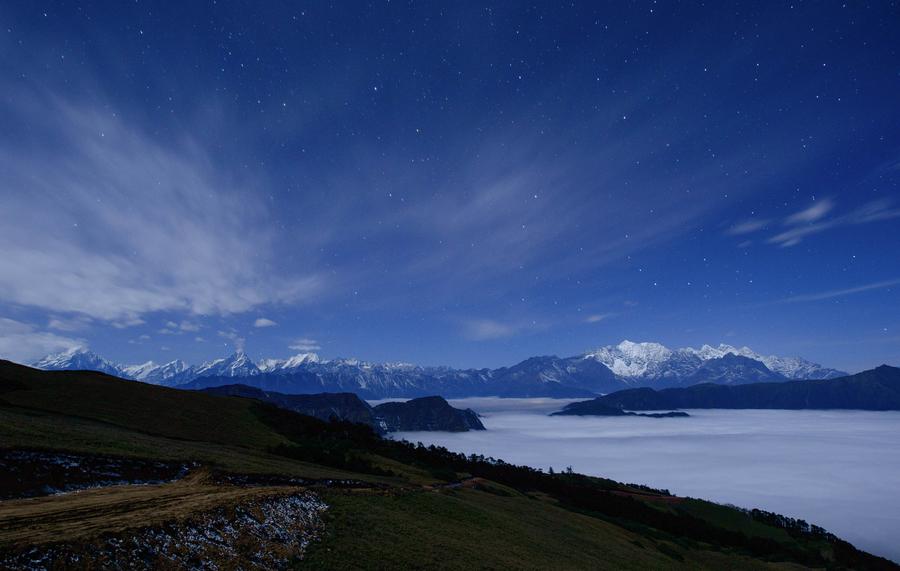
(876, 389)
(324, 406)
(425, 413)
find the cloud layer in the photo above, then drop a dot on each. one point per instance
(24, 343)
(110, 224)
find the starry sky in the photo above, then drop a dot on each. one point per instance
(449, 183)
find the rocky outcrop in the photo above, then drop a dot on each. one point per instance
(258, 534)
(426, 413)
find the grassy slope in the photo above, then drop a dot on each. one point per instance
(475, 529)
(151, 409)
(52, 431)
(127, 418)
(732, 519)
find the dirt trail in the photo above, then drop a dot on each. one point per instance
(88, 513)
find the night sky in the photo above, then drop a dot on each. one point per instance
(449, 183)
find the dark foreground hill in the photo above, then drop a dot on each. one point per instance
(426, 413)
(876, 389)
(265, 486)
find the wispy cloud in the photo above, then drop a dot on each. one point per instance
(814, 219)
(747, 226)
(485, 329)
(78, 323)
(140, 339)
(598, 317)
(111, 224)
(812, 213)
(24, 343)
(264, 322)
(173, 328)
(305, 344)
(236, 339)
(820, 296)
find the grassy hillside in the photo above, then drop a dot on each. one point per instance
(129, 404)
(411, 506)
(475, 529)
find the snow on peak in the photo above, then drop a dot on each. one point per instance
(301, 359)
(649, 360)
(630, 359)
(644, 350)
(142, 371)
(282, 365)
(269, 365)
(790, 367)
(173, 372)
(236, 365)
(78, 358)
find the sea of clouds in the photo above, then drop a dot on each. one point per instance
(837, 469)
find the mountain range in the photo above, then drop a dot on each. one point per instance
(605, 370)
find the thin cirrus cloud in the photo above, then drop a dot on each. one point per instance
(264, 322)
(305, 344)
(814, 220)
(811, 213)
(486, 329)
(111, 225)
(173, 328)
(77, 323)
(747, 226)
(825, 295)
(874, 211)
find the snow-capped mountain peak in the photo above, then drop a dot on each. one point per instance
(142, 371)
(641, 361)
(630, 359)
(300, 359)
(790, 367)
(171, 373)
(707, 352)
(282, 365)
(236, 365)
(78, 358)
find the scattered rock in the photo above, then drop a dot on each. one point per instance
(263, 533)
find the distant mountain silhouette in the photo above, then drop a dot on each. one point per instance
(876, 389)
(426, 413)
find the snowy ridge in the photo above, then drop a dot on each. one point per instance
(78, 358)
(604, 370)
(632, 360)
(237, 365)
